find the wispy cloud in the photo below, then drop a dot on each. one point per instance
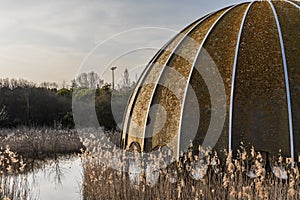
(39, 38)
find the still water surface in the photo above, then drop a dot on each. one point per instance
(57, 179)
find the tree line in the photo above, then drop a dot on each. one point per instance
(24, 103)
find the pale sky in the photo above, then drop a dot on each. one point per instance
(49, 40)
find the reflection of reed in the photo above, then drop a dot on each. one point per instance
(16, 173)
(14, 187)
(53, 167)
(13, 184)
(56, 171)
(52, 172)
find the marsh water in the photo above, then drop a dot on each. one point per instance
(59, 178)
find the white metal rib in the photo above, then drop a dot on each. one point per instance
(233, 77)
(137, 88)
(191, 72)
(146, 70)
(287, 86)
(293, 4)
(141, 81)
(163, 69)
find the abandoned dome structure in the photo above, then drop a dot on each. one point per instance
(231, 76)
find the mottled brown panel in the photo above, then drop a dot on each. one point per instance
(289, 19)
(195, 125)
(140, 106)
(260, 116)
(221, 46)
(184, 56)
(170, 91)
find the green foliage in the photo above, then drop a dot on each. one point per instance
(110, 106)
(68, 121)
(106, 88)
(83, 94)
(103, 110)
(33, 106)
(64, 92)
(24, 103)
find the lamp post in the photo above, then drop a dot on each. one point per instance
(113, 77)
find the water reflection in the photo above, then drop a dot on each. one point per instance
(55, 178)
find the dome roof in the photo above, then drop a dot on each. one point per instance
(231, 76)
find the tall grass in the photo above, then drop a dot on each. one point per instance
(246, 175)
(41, 142)
(13, 183)
(196, 175)
(16, 170)
(21, 148)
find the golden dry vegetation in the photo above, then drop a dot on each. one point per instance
(246, 175)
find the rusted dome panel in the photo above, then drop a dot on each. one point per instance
(139, 106)
(136, 91)
(166, 49)
(289, 18)
(254, 47)
(260, 116)
(185, 54)
(221, 46)
(170, 89)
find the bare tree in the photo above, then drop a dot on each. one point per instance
(45, 85)
(73, 84)
(14, 83)
(89, 80)
(126, 79)
(49, 85)
(26, 84)
(53, 85)
(4, 83)
(64, 85)
(82, 80)
(93, 79)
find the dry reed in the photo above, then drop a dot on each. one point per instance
(201, 175)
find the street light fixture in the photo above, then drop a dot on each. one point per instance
(113, 76)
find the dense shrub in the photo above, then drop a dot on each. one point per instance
(27, 104)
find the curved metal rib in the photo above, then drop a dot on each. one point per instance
(191, 72)
(162, 71)
(233, 77)
(288, 96)
(137, 88)
(293, 4)
(140, 81)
